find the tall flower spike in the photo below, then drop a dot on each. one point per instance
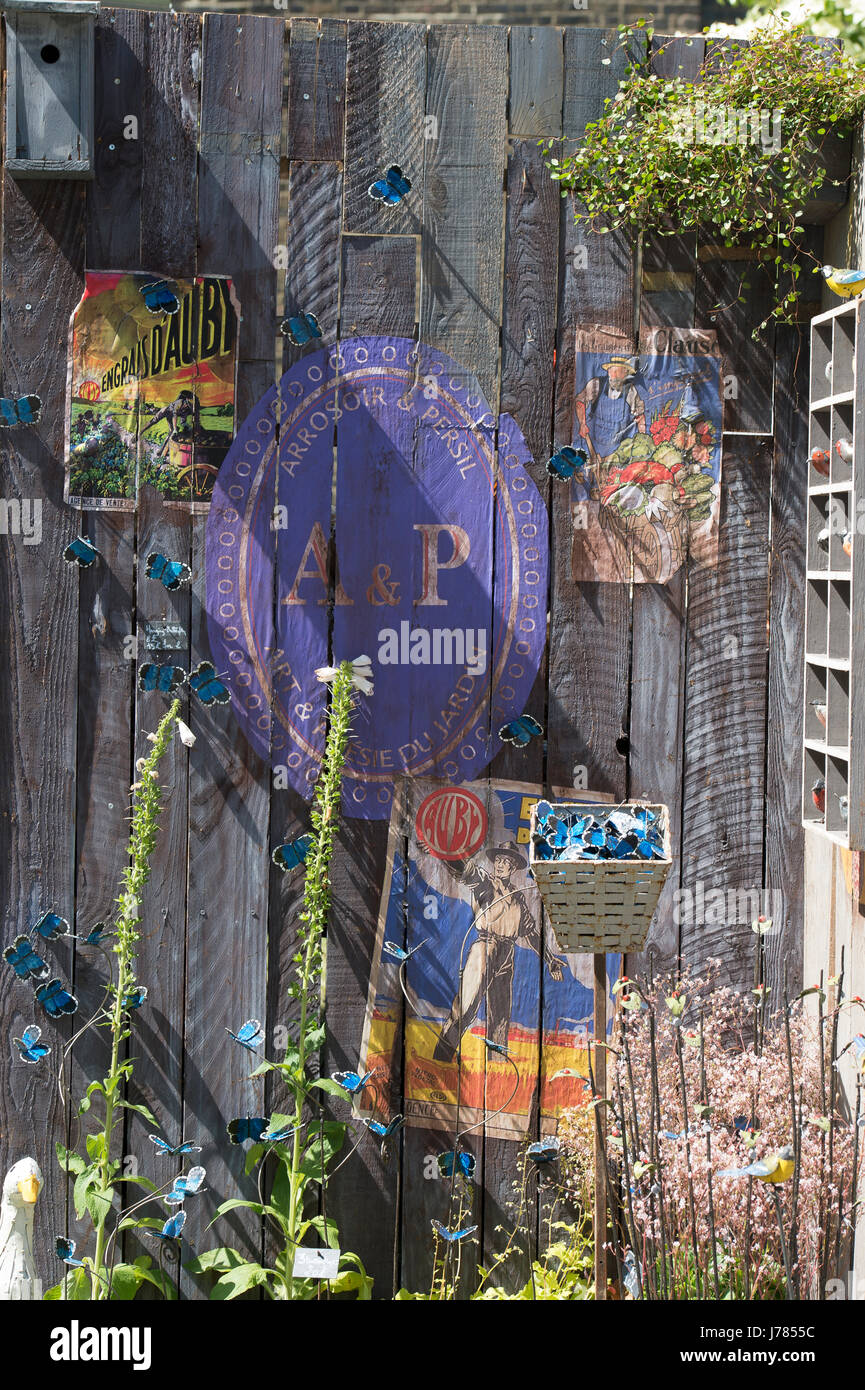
(361, 674)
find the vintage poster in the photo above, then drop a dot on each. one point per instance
(483, 964)
(439, 552)
(649, 425)
(151, 388)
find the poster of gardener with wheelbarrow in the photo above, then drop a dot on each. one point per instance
(649, 424)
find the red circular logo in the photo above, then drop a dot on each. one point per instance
(89, 391)
(451, 823)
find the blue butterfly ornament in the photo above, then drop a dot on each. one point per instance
(166, 679)
(24, 960)
(391, 188)
(351, 1081)
(160, 296)
(300, 329)
(64, 1248)
(565, 462)
(452, 1236)
(30, 1049)
(170, 573)
(81, 552)
(207, 685)
(520, 731)
(25, 410)
(51, 926)
(173, 1226)
(465, 1164)
(56, 999)
(246, 1128)
(292, 854)
(185, 1186)
(250, 1034)
(172, 1150)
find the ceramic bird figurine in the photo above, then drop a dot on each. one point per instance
(819, 707)
(824, 537)
(774, 1168)
(847, 543)
(844, 450)
(18, 1278)
(819, 459)
(818, 795)
(845, 283)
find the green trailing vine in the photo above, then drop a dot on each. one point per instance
(311, 1144)
(97, 1175)
(733, 156)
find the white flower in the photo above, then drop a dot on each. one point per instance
(187, 737)
(361, 674)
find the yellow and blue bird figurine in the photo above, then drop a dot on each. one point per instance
(846, 283)
(774, 1168)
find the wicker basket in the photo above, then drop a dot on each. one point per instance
(601, 904)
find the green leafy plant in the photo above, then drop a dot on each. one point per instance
(311, 1143)
(96, 1172)
(734, 155)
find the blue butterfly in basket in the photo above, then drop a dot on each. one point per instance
(56, 999)
(351, 1081)
(466, 1164)
(385, 1131)
(51, 926)
(391, 188)
(246, 1128)
(30, 1049)
(207, 685)
(300, 329)
(160, 296)
(23, 411)
(544, 1150)
(250, 1034)
(24, 960)
(397, 952)
(165, 679)
(80, 552)
(565, 462)
(170, 573)
(173, 1226)
(134, 998)
(451, 1236)
(520, 731)
(172, 1150)
(292, 854)
(64, 1249)
(185, 1186)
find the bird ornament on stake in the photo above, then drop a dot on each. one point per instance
(845, 283)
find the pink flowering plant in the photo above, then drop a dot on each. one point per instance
(706, 1081)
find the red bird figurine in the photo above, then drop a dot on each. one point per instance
(820, 460)
(818, 793)
(844, 450)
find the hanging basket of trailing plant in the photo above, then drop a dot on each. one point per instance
(600, 870)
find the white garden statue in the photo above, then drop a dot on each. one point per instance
(21, 1187)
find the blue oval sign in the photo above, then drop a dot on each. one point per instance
(432, 560)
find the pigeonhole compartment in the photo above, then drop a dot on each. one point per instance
(843, 348)
(821, 362)
(842, 432)
(597, 905)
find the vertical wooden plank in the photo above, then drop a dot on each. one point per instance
(229, 785)
(535, 88)
(667, 299)
(106, 665)
(527, 367)
(316, 89)
(312, 261)
(42, 265)
(725, 719)
(169, 107)
(379, 289)
(785, 837)
(463, 222)
(384, 122)
(367, 1182)
(589, 627)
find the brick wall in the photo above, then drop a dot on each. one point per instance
(669, 16)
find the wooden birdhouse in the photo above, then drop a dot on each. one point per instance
(49, 88)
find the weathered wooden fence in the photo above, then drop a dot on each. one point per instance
(256, 133)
